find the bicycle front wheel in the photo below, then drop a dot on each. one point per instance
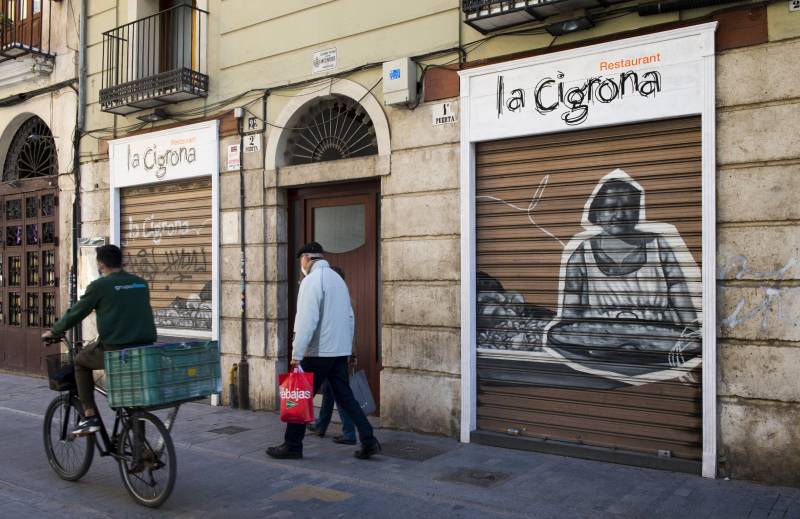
(69, 456)
(147, 460)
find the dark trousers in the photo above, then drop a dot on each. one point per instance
(326, 413)
(334, 370)
(89, 359)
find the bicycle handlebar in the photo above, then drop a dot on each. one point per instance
(64, 339)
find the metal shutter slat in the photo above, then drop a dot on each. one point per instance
(588, 380)
(166, 234)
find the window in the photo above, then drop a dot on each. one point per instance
(331, 129)
(32, 152)
(341, 228)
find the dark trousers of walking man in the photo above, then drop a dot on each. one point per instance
(334, 370)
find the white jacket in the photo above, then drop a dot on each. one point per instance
(325, 323)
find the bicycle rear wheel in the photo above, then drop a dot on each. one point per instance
(151, 482)
(69, 456)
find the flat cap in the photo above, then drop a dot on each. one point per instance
(311, 247)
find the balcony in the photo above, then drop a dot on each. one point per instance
(488, 16)
(22, 28)
(154, 61)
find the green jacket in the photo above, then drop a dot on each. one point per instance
(124, 315)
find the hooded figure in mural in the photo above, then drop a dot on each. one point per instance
(630, 292)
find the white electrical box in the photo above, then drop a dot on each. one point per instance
(399, 81)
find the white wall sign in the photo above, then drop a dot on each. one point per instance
(443, 114)
(323, 60)
(233, 162)
(252, 143)
(596, 87)
(177, 153)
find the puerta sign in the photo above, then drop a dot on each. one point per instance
(588, 87)
(174, 154)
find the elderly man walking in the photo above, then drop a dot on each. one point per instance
(323, 339)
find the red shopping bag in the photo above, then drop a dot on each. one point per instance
(297, 396)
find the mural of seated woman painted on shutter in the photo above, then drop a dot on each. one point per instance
(589, 287)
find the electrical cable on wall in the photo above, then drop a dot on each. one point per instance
(327, 81)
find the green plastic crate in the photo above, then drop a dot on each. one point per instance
(156, 375)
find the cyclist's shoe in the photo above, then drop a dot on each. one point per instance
(87, 426)
(137, 468)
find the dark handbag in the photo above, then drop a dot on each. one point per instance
(360, 388)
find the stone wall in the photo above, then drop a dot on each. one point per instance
(420, 275)
(261, 359)
(758, 197)
(94, 224)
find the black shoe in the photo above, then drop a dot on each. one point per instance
(344, 440)
(282, 452)
(367, 451)
(312, 428)
(87, 426)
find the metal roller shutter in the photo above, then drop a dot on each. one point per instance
(166, 238)
(589, 287)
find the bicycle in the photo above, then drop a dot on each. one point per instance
(139, 441)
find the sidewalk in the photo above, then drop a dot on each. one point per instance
(416, 473)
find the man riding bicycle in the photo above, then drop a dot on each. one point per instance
(124, 319)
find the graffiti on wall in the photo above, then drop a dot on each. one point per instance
(762, 301)
(177, 264)
(165, 254)
(192, 312)
(629, 294)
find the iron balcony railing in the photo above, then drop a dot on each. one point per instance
(156, 60)
(491, 15)
(25, 28)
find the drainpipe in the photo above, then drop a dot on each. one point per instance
(243, 370)
(264, 101)
(76, 161)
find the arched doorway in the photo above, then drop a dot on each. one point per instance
(28, 246)
(342, 217)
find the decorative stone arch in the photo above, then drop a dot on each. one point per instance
(291, 113)
(8, 134)
(39, 156)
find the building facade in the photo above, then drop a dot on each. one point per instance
(575, 232)
(38, 113)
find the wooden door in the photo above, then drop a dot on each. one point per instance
(25, 22)
(344, 221)
(28, 278)
(178, 31)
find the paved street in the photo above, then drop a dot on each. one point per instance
(226, 474)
